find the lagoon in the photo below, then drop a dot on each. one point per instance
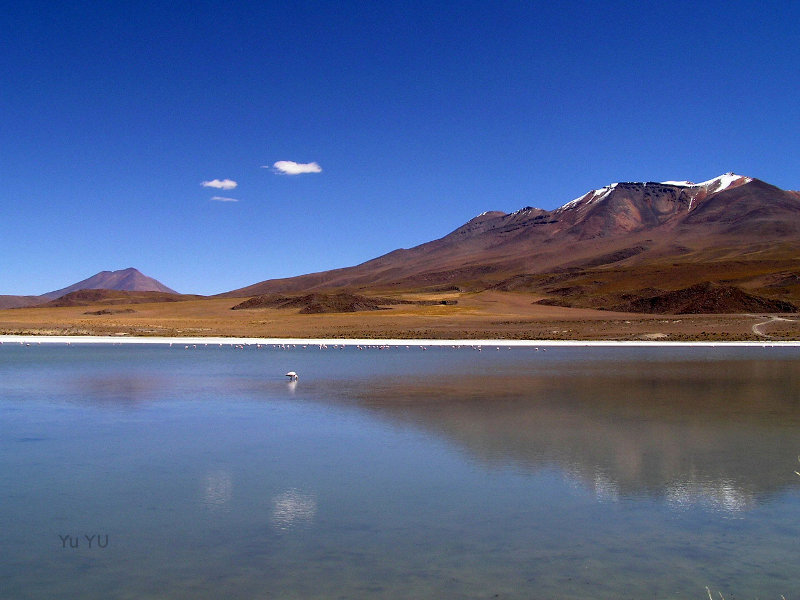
(194, 471)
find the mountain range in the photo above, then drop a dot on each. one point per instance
(624, 240)
(609, 248)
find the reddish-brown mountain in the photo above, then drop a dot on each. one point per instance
(130, 280)
(125, 280)
(615, 240)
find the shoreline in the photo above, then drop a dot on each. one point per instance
(248, 341)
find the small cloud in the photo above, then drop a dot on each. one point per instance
(224, 199)
(289, 167)
(224, 184)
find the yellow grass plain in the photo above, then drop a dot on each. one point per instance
(485, 315)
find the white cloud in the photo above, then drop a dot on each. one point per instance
(289, 167)
(224, 199)
(225, 184)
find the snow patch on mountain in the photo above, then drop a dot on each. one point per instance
(717, 184)
(590, 197)
(725, 181)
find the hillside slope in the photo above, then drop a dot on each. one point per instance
(620, 238)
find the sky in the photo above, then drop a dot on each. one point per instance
(213, 145)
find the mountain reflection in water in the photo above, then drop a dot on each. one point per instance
(400, 473)
(720, 433)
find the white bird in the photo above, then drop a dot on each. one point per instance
(292, 376)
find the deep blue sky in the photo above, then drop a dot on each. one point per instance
(420, 116)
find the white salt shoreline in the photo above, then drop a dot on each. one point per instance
(231, 341)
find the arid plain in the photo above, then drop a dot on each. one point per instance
(483, 315)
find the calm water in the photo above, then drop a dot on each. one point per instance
(401, 473)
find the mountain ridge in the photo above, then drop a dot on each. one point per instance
(685, 230)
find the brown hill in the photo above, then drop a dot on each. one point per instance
(92, 297)
(314, 303)
(317, 303)
(125, 279)
(705, 298)
(614, 240)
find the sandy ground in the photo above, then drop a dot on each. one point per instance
(483, 316)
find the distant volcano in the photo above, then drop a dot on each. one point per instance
(129, 280)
